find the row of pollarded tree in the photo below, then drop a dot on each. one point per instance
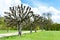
(22, 15)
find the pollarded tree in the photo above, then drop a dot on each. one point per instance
(17, 16)
(39, 20)
(29, 22)
(36, 19)
(33, 22)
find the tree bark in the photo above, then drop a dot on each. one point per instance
(7, 29)
(35, 30)
(19, 30)
(31, 29)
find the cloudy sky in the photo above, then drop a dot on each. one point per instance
(38, 6)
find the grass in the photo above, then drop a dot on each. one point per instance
(5, 31)
(42, 35)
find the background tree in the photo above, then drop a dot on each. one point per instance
(47, 20)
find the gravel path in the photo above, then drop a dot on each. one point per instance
(15, 33)
(12, 34)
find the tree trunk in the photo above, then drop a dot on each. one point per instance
(7, 29)
(35, 30)
(19, 30)
(42, 27)
(31, 29)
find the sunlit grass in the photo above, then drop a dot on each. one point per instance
(42, 35)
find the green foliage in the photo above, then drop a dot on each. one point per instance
(2, 23)
(55, 27)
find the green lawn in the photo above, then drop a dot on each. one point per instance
(42, 35)
(5, 31)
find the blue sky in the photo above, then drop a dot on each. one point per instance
(52, 5)
(38, 6)
(55, 3)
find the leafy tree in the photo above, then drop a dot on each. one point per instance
(47, 21)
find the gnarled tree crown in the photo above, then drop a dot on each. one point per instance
(18, 14)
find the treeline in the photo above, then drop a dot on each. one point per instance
(54, 26)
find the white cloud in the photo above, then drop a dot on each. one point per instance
(45, 9)
(54, 10)
(5, 4)
(56, 18)
(35, 10)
